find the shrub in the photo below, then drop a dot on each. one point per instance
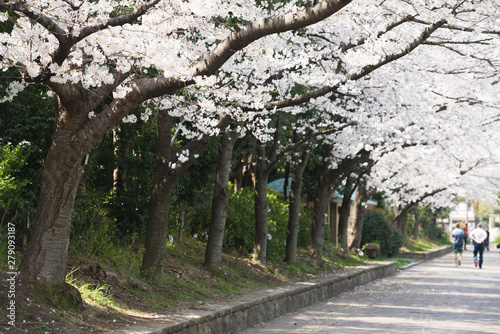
(278, 225)
(13, 194)
(239, 233)
(396, 242)
(92, 232)
(305, 221)
(240, 224)
(377, 229)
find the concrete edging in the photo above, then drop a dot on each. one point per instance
(249, 310)
(429, 254)
(424, 256)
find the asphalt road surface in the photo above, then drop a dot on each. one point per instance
(432, 297)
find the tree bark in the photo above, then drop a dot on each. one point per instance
(345, 211)
(45, 258)
(431, 233)
(401, 219)
(415, 225)
(181, 220)
(159, 203)
(299, 166)
(358, 215)
(46, 255)
(334, 223)
(286, 186)
(261, 207)
(121, 149)
(220, 202)
(321, 202)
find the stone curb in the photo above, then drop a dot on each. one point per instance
(430, 254)
(424, 256)
(249, 310)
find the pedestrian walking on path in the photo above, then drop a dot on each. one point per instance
(466, 235)
(458, 235)
(487, 241)
(478, 236)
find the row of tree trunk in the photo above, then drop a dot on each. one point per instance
(45, 259)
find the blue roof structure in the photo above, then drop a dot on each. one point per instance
(277, 185)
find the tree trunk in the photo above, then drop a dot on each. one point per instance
(121, 149)
(334, 223)
(401, 219)
(261, 207)
(45, 258)
(323, 192)
(321, 201)
(159, 203)
(220, 202)
(157, 227)
(431, 233)
(345, 211)
(244, 173)
(358, 215)
(415, 225)
(299, 166)
(167, 171)
(262, 170)
(182, 221)
(285, 183)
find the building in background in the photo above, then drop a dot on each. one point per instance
(464, 214)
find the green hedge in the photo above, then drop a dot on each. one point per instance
(377, 229)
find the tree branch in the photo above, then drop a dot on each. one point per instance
(264, 27)
(387, 28)
(459, 28)
(355, 76)
(66, 40)
(43, 20)
(117, 21)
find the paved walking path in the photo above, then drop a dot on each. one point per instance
(433, 297)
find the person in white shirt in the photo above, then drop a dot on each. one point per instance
(478, 236)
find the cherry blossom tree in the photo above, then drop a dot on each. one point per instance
(121, 54)
(113, 56)
(225, 87)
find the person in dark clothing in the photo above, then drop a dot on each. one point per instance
(487, 240)
(458, 235)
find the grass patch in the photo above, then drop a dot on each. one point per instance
(93, 294)
(402, 263)
(423, 244)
